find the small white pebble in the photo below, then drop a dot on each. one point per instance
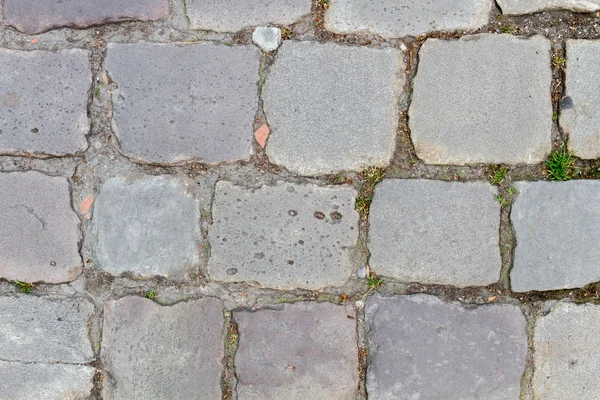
(267, 38)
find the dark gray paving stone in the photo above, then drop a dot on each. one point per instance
(35, 329)
(435, 232)
(147, 226)
(423, 348)
(332, 107)
(177, 103)
(43, 101)
(36, 16)
(512, 7)
(157, 352)
(40, 231)
(472, 106)
(283, 236)
(398, 18)
(557, 228)
(300, 351)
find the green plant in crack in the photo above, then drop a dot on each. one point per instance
(508, 28)
(23, 287)
(150, 294)
(374, 175)
(372, 282)
(558, 61)
(363, 204)
(232, 340)
(560, 164)
(497, 175)
(504, 202)
(555, 117)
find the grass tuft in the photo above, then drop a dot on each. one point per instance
(560, 164)
(23, 287)
(150, 294)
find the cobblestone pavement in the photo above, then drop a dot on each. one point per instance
(296, 199)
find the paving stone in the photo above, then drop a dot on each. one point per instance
(39, 235)
(580, 109)
(423, 348)
(45, 381)
(43, 101)
(557, 226)
(398, 18)
(155, 352)
(36, 16)
(516, 7)
(312, 87)
(234, 15)
(435, 232)
(482, 99)
(267, 38)
(147, 226)
(178, 103)
(283, 236)
(300, 351)
(34, 329)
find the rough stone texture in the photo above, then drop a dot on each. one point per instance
(567, 350)
(34, 329)
(43, 101)
(39, 235)
(516, 7)
(557, 228)
(147, 226)
(267, 38)
(332, 107)
(423, 348)
(178, 103)
(284, 236)
(482, 99)
(435, 232)
(301, 351)
(233, 15)
(580, 110)
(155, 352)
(45, 381)
(35, 16)
(398, 18)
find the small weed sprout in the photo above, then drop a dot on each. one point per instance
(555, 117)
(558, 61)
(374, 175)
(511, 190)
(232, 340)
(498, 175)
(373, 282)
(508, 29)
(560, 164)
(150, 294)
(363, 204)
(503, 202)
(23, 287)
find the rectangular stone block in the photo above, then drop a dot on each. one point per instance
(43, 102)
(40, 231)
(179, 103)
(516, 7)
(283, 236)
(435, 232)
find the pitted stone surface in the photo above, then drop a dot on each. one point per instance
(147, 226)
(233, 15)
(580, 109)
(557, 229)
(332, 107)
(298, 351)
(184, 102)
(35, 16)
(423, 348)
(44, 330)
(472, 106)
(435, 232)
(43, 101)
(283, 236)
(516, 7)
(39, 235)
(45, 381)
(158, 352)
(398, 18)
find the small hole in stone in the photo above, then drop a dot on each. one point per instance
(319, 215)
(35, 130)
(53, 263)
(335, 215)
(291, 262)
(232, 271)
(293, 213)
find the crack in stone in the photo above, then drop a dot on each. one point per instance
(31, 211)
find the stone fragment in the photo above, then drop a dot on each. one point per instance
(435, 232)
(471, 105)
(283, 236)
(517, 7)
(261, 135)
(423, 348)
(267, 38)
(297, 351)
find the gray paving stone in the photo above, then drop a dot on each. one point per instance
(155, 352)
(482, 99)
(516, 7)
(178, 103)
(39, 235)
(233, 15)
(147, 226)
(423, 348)
(45, 381)
(580, 109)
(283, 236)
(435, 232)
(313, 87)
(34, 329)
(43, 101)
(35, 16)
(300, 351)
(557, 228)
(398, 18)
